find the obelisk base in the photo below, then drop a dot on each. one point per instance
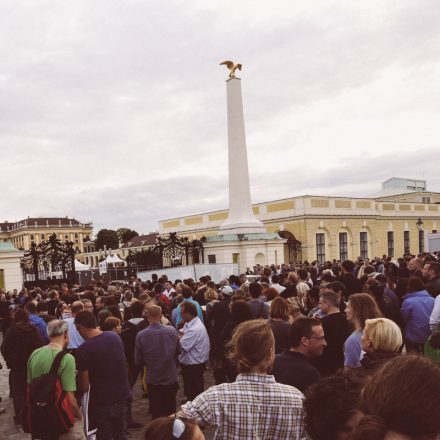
(245, 249)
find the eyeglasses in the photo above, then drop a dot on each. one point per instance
(320, 338)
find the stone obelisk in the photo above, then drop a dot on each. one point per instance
(241, 219)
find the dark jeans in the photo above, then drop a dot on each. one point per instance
(162, 399)
(18, 388)
(193, 383)
(111, 421)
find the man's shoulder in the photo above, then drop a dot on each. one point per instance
(165, 329)
(335, 319)
(272, 387)
(103, 339)
(288, 391)
(37, 353)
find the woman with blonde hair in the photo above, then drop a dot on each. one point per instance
(360, 307)
(381, 340)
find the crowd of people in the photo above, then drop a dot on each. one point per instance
(341, 350)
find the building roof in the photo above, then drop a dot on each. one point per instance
(7, 246)
(141, 240)
(40, 221)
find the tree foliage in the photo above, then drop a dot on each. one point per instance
(107, 237)
(126, 234)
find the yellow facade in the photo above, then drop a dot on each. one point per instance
(380, 226)
(22, 233)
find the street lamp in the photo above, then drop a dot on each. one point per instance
(419, 225)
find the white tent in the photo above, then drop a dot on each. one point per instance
(114, 259)
(80, 266)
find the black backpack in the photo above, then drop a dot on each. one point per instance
(47, 411)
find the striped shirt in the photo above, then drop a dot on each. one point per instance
(253, 407)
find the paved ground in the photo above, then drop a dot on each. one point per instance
(9, 431)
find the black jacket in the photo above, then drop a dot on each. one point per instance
(433, 287)
(294, 369)
(352, 284)
(20, 341)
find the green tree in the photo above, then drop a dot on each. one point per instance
(126, 234)
(107, 237)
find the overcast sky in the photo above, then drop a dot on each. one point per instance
(115, 111)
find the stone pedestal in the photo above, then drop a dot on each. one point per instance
(245, 249)
(11, 275)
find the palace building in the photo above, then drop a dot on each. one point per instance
(393, 222)
(22, 233)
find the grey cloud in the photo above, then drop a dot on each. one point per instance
(101, 99)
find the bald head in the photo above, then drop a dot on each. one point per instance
(415, 264)
(154, 313)
(77, 306)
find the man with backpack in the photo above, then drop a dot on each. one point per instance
(50, 405)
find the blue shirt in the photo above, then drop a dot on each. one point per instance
(156, 347)
(194, 343)
(179, 312)
(75, 339)
(353, 350)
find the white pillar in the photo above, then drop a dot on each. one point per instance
(241, 219)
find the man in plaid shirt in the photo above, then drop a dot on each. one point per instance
(255, 406)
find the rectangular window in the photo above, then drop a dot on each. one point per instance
(421, 242)
(76, 234)
(42, 236)
(406, 247)
(211, 259)
(235, 258)
(390, 243)
(363, 240)
(320, 248)
(2, 279)
(343, 246)
(32, 236)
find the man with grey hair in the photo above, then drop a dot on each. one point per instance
(40, 362)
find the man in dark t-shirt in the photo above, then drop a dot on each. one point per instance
(293, 366)
(101, 365)
(336, 331)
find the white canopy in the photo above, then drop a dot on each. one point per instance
(113, 259)
(80, 266)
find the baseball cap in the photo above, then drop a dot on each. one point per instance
(226, 290)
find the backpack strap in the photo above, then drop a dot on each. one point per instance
(57, 362)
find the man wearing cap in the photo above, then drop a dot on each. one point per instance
(221, 314)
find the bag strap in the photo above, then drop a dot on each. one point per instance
(57, 362)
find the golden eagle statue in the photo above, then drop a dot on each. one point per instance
(232, 67)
